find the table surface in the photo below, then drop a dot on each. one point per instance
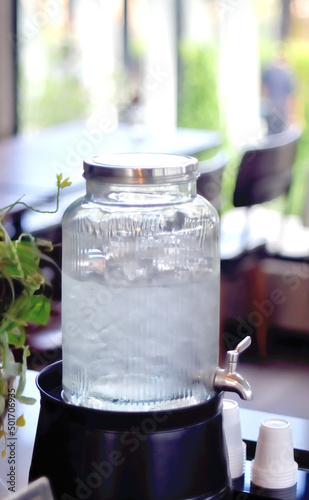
(24, 438)
(29, 163)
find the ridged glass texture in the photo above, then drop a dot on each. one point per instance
(140, 298)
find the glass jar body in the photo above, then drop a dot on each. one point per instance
(140, 297)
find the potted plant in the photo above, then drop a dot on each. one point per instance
(25, 297)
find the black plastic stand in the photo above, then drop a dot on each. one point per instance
(101, 455)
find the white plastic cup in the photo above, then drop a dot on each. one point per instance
(274, 465)
(236, 448)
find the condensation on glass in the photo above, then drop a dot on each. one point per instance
(140, 286)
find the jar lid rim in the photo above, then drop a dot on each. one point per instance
(144, 168)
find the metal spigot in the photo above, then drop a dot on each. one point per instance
(227, 379)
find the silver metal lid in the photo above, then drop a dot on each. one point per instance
(141, 168)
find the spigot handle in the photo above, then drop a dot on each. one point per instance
(228, 379)
(243, 345)
(232, 356)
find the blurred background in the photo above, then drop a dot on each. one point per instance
(158, 65)
(200, 61)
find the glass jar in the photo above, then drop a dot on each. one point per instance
(140, 286)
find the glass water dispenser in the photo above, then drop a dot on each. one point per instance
(137, 398)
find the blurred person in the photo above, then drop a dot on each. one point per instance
(278, 88)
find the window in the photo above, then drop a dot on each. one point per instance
(88, 59)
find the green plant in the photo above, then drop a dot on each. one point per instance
(25, 297)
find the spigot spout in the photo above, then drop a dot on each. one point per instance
(228, 379)
(233, 382)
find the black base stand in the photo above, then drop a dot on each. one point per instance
(101, 455)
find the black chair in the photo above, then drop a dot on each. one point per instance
(251, 231)
(265, 173)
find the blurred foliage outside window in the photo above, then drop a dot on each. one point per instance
(198, 100)
(59, 97)
(50, 90)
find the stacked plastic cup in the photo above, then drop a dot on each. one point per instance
(273, 466)
(236, 448)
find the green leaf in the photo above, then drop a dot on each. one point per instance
(3, 388)
(65, 183)
(12, 270)
(17, 337)
(26, 400)
(11, 369)
(2, 405)
(28, 255)
(22, 378)
(20, 421)
(59, 179)
(38, 310)
(61, 184)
